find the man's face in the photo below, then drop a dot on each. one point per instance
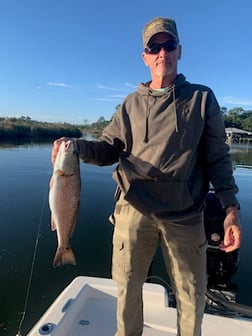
(162, 63)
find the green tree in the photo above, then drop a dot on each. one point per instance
(232, 118)
(247, 123)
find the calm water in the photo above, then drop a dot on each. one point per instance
(25, 171)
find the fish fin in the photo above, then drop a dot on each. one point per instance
(59, 172)
(53, 226)
(64, 257)
(51, 183)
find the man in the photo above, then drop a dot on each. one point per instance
(169, 139)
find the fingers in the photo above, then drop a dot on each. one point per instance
(232, 238)
(232, 229)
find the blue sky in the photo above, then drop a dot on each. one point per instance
(76, 60)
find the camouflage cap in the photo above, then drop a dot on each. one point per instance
(159, 25)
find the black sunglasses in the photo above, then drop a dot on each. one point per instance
(156, 47)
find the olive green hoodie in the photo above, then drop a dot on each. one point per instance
(170, 144)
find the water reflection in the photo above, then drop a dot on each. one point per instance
(241, 155)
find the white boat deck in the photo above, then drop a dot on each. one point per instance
(88, 307)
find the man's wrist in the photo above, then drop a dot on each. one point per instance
(232, 205)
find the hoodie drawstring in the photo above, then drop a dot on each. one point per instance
(147, 112)
(175, 108)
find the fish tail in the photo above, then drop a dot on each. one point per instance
(64, 257)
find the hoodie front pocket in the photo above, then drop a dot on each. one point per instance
(155, 196)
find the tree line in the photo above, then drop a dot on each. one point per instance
(25, 127)
(235, 117)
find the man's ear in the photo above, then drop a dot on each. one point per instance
(145, 59)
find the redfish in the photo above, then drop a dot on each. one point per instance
(64, 200)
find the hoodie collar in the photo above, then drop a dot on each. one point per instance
(145, 90)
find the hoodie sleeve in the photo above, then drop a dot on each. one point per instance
(218, 161)
(106, 149)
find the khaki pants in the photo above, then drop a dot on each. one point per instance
(183, 244)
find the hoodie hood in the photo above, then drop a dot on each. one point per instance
(152, 95)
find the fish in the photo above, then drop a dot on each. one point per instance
(64, 200)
